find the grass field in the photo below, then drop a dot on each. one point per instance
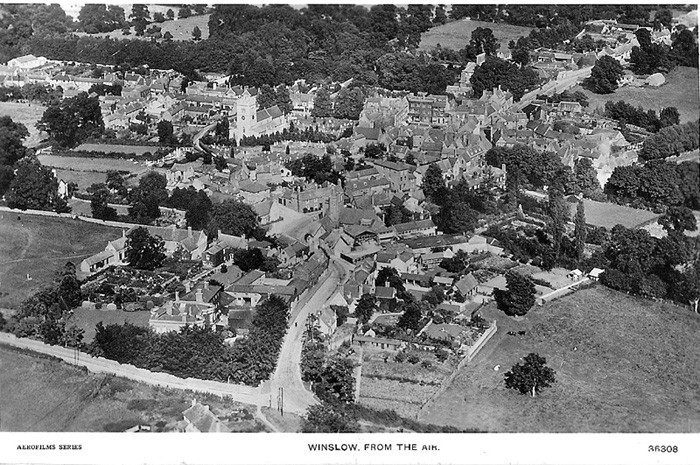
(106, 148)
(181, 29)
(88, 319)
(40, 246)
(680, 91)
(27, 114)
(456, 34)
(623, 364)
(100, 165)
(83, 179)
(45, 395)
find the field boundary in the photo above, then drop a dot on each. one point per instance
(238, 392)
(471, 353)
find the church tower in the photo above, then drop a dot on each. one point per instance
(245, 115)
(335, 202)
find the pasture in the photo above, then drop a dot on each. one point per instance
(87, 319)
(99, 165)
(456, 34)
(108, 148)
(181, 29)
(680, 91)
(28, 114)
(39, 246)
(623, 365)
(83, 179)
(41, 394)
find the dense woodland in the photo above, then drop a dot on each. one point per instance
(275, 44)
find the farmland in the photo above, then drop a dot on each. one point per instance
(83, 179)
(27, 114)
(108, 148)
(38, 246)
(456, 34)
(680, 91)
(623, 364)
(402, 387)
(40, 394)
(100, 165)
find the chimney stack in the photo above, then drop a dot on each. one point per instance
(187, 287)
(177, 296)
(198, 296)
(189, 231)
(206, 285)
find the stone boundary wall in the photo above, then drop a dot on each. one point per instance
(239, 392)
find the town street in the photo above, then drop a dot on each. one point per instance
(288, 372)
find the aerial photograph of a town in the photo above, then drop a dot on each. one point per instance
(349, 218)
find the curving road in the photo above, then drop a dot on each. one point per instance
(288, 372)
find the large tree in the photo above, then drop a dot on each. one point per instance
(604, 75)
(144, 251)
(678, 220)
(433, 182)
(366, 307)
(165, 133)
(586, 179)
(411, 316)
(531, 376)
(558, 212)
(323, 106)
(73, 120)
(580, 230)
(495, 72)
(519, 297)
(99, 197)
(34, 186)
(12, 137)
(233, 217)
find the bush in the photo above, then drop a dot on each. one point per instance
(426, 364)
(400, 357)
(413, 359)
(121, 426)
(141, 404)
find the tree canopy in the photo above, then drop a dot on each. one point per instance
(73, 120)
(233, 217)
(604, 75)
(144, 251)
(519, 297)
(495, 72)
(34, 187)
(530, 377)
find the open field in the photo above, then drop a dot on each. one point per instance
(456, 34)
(27, 114)
(680, 91)
(41, 394)
(83, 179)
(87, 319)
(623, 364)
(40, 246)
(107, 148)
(101, 165)
(181, 29)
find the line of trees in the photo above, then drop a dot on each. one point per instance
(657, 183)
(200, 352)
(628, 114)
(671, 140)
